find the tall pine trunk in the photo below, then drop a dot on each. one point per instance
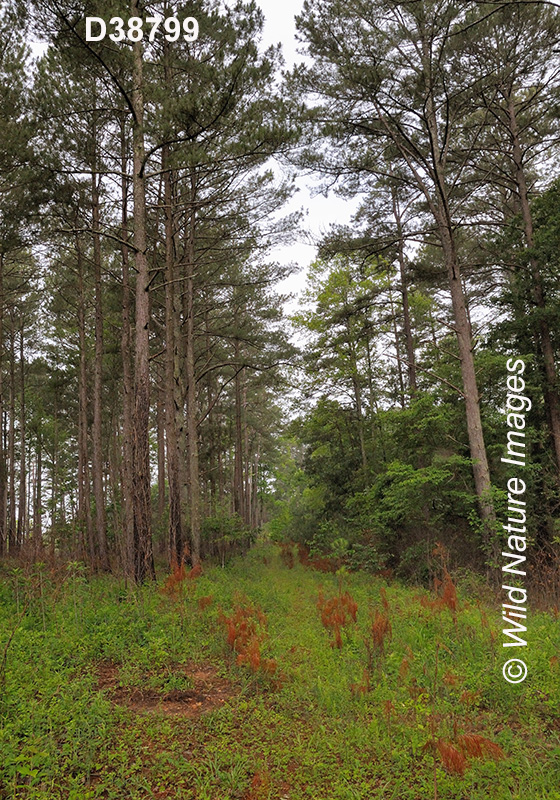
(97, 429)
(407, 324)
(3, 487)
(128, 381)
(550, 388)
(37, 495)
(173, 403)
(440, 209)
(481, 471)
(85, 523)
(22, 499)
(12, 445)
(143, 551)
(238, 484)
(190, 376)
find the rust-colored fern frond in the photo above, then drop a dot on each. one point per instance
(450, 678)
(303, 555)
(195, 573)
(452, 759)
(403, 669)
(469, 698)
(337, 613)
(449, 593)
(246, 633)
(205, 601)
(380, 630)
(175, 579)
(477, 746)
(259, 788)
(287, 555)
(388, 709)
(384, 600)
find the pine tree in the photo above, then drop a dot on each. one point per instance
(389, 78)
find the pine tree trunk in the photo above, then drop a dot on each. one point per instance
(22, 499)
(143, 551)
(397, 350)
(37, 495)
(213, 444)
(550, 389)
(190, 375)
(3, 487)
(97, 429)
(440, 209)
(175, 533)
(54, 482)
(128, 382)
(256, 515)
(85, 523)
(407, 325)
(247, 462)
(238, 486)
(12, 446)
(357, 390)
(481, 471)
(160, 431)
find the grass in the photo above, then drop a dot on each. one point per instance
(378, 720)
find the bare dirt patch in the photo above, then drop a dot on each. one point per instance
(210, 691)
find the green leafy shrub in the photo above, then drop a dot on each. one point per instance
(225, 535)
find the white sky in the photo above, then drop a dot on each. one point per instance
(320, 211)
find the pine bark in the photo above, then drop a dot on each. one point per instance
(143, 550)
(97, 428)
(160, 432)
(440, 209)
(397, 350)
(38, 494)
(173, 403)
(190, 376)
(481, 471)
(550, 386)
(85, 523)
(22, 498)
(128, 380)
(238, 485)
(3, 542)
(12, 446)
(407, 324)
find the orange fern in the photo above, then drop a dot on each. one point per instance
(246, 633)
(380, 630)
(195, 573)
(476, 746)
(337, 613)
(384, 601)
(175, 579)
(452, 759)
(205, 601)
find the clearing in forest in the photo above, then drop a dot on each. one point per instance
(268, 680)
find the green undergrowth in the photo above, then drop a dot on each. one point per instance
(317, 727)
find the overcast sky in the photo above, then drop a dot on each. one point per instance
(320, 211)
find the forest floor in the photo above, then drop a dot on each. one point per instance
(231, 686)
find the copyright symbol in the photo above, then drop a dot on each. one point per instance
(515, 670)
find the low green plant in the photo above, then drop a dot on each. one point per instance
(68, 732)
